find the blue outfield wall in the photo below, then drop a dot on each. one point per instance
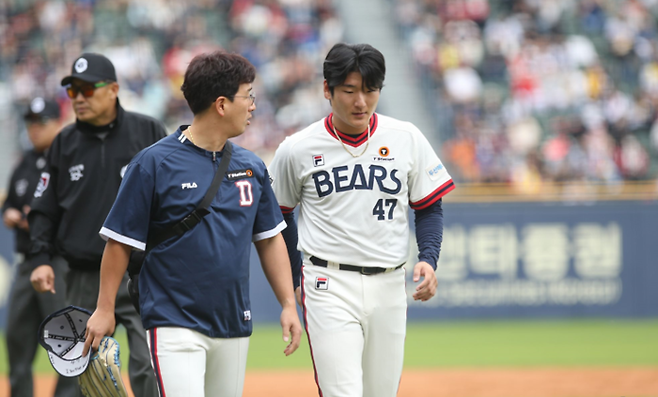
(533, 260)
(513, 260)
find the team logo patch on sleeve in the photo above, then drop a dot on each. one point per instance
(322, 283)
(318, 160)
(240, 174)
(435, 171)
(43, 184)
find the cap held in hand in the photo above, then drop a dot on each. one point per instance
(62, 334)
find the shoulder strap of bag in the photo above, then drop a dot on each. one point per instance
(201, 210)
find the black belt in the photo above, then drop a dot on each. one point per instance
(365, 270)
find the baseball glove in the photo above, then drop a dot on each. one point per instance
(102, 378)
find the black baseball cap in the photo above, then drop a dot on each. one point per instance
(42, 109)
(91, 68)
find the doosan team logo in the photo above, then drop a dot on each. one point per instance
(322, 283)
(435, 171)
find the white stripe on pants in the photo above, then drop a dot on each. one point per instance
(190, 364)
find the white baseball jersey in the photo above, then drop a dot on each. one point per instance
(355, 210)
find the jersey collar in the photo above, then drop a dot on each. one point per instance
(351, 140)
(182, 138)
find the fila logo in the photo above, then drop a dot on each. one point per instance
(246, 315)
(189, 185)
(318, 160)
(76, 172)
(322, 283)
(246, 195)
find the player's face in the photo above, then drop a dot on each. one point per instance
(239, 110)
(352, 104)
(42, 132)
(97, 109)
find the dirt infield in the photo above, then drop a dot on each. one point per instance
(538, 382)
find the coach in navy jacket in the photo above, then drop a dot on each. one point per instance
(194, 288)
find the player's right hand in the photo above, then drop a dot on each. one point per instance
(43, 279)
(100, 324)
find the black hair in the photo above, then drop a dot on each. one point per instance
(344, 59)
(215, 74)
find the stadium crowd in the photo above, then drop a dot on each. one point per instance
(528, 91)
(151, 42)
(524, 91)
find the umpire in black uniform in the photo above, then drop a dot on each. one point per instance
(27, 308)
(85, 165)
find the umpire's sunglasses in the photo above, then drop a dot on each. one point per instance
(87, 89)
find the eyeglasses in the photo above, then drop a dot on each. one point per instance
(87, 90)
(250, 96)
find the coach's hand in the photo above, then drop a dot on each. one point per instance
(100, 324)
(427, 288)
(43, 279)
(291, 326)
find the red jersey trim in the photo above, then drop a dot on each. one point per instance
(434, 196)
(352, 140)
(155, 361)
(286, 210)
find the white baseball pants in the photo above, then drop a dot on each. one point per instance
(356, 327)
(190, 364)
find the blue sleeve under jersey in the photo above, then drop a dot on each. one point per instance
(291, 238)
(429, 232)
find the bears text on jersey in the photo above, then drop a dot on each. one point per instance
(342, 179)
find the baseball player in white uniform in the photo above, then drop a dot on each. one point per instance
(354, 175)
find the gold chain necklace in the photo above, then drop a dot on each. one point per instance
(189, 130)
(345, 146)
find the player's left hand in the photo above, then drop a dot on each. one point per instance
(292, 328)
(426, 289)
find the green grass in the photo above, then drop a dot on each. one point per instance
(533, 343)
(473, 344)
